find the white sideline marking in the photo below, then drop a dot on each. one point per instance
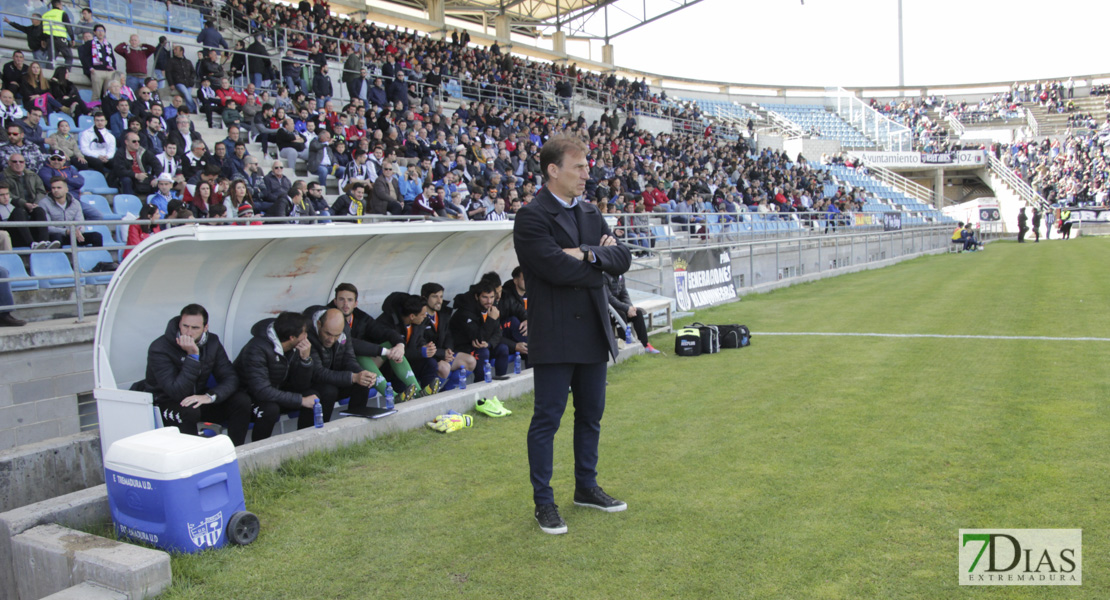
(937, 335)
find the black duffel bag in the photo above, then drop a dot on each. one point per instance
(734, 336)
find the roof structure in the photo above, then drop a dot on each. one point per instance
(594, 19)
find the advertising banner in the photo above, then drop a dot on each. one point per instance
(703, 278)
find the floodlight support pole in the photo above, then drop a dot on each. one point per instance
(901, 55)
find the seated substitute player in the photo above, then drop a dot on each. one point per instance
(439, 332)
(275, 368)
(513, 305)
(179, 365)
(335, 372)
(633, 315)
(375, 345)
(405, 314)
(477, 329)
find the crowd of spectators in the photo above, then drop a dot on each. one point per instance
(1069, 172)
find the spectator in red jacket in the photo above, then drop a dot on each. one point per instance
(135, 56)
(138, 232)
(652, 196)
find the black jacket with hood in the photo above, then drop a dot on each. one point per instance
(467, 324)
(270, 374)
(171, 376)
(334, 365)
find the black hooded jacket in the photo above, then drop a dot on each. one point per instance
(391, 318)
(171, 376)
(367, 334)
(269, 374)
(512, 304)
(467, 324)
(439, 329)
(334, 365)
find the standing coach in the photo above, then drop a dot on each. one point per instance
(564, 247)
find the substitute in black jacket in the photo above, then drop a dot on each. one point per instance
(335, 372)
(275, 368)
(374, 344)
(631, 314)
(564, 247)
(439, 332)
(514, 313)
(477, 329)
(178, 367)
(404, 314)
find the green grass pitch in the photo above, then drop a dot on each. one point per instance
(800, 467)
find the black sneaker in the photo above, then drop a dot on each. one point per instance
(547, 515)
(597, 498)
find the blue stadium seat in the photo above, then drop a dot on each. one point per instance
(57, 117)
(109, 239)
(96, 184)
(101, 204)
(53, 265)
(14, 264)
(84, 122)
(126, 203)
(86, 94)
(87, 260)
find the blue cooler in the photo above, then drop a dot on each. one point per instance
(178, 492)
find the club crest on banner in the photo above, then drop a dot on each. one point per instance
(681, 292)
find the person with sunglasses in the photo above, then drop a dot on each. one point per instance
(57, 166)
(275, 186)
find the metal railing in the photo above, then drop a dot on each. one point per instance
(646, 234)
(1034, 126)
(955, 125)
(889, 134)
(1019, 185)
(902, 184)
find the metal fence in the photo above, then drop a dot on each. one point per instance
(782, 235)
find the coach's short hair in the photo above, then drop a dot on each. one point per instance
(557, 147)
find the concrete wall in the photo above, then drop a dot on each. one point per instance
(43, 367)
(811, 149)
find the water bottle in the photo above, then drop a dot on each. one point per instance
(628, 334)
(487, 372)
(318, 413)
(389, 395)
(516, 363)
(462, 378)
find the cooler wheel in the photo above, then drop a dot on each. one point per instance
(242, 528)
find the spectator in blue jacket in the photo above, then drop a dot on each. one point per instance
(56, 166)
(210, 37)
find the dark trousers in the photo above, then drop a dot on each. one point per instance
(266, 414)
(587, 383)
(639, 326)
(499, 354)
(329, 395)
(128, 185)
(22, 237)
(92, 239)
(208, 106)
(235, 411)
(510, 333)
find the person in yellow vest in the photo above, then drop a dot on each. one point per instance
(56, 30)
(1065, 224)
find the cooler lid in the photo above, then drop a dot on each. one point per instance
(167, 453)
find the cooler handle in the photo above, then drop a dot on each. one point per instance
(211, 480)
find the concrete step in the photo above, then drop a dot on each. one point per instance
(87, 591)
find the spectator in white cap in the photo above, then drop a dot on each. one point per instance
(161, 198)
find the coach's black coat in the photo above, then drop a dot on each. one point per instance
(568, 318)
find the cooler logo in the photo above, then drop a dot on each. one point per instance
(207, 532)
